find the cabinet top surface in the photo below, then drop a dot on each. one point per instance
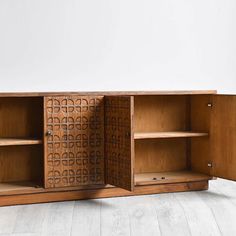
(106, 93)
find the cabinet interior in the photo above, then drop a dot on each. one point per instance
(171, 137)
(21, 149)
(167, 132)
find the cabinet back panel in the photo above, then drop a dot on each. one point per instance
(160, 155)
(21, 163)
(21, 117)
(161, 113)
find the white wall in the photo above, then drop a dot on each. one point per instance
(50, 45)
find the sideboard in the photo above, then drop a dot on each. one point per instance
(78, 145)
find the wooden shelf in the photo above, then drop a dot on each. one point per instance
(149, 135)
(19, 141)
(18, 188)
(169, 177)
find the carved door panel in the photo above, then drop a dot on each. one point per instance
(119, 141)
(73, 141)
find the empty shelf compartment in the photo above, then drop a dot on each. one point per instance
(169, 177)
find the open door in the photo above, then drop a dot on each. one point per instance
(119, 141)
(223, 136)
(73, 141)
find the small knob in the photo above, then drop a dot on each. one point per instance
(210, 165)
(49, 133)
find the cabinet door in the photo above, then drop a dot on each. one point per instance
(119, 141)
(73, 141)
(223, 136)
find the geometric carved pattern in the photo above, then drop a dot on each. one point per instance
(74, 141)
(119, 141)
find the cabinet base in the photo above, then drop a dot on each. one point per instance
(7, 200)
(99, 193)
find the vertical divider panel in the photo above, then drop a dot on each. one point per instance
(201, 113)
(119, 141)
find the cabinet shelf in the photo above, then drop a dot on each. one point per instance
(18, 187)
(19, 141)
(180, 134)
(169, 177)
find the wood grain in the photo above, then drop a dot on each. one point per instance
(22, 187)
(74, 150)
(169, 177)
(19, 141)
(151, 135)
(18, 187)
(21, 117)
(119, 141)
(175, 131)
(21, 164)
(107, 93)
(160, 113)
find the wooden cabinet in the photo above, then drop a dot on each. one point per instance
(65, 146)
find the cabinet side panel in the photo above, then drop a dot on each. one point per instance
(74, 151)
(119, 141)
(200, 122)
(223, 132)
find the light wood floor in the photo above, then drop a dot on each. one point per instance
(211, 212)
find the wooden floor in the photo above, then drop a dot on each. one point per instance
(211, 212)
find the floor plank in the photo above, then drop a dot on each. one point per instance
(222, 207)
(58, 219)
(86, 218)
(171, 216)
(198, 215)
(211, 212)
(8, 217)
(115, 217)
(143, 217)
(30, 218)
